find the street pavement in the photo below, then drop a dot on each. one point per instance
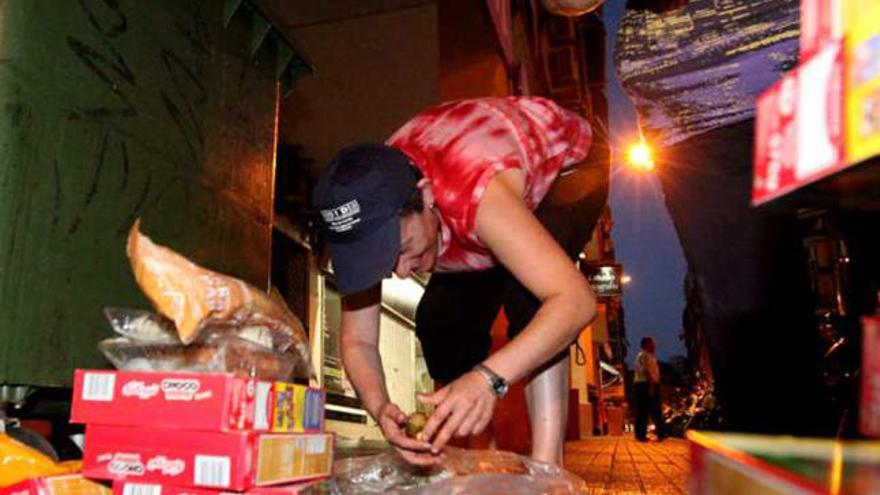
(620, 465)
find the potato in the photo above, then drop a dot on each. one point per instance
(415, 422)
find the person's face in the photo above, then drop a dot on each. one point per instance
(418, 244)
(651, 346)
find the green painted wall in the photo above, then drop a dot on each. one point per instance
(111, 110)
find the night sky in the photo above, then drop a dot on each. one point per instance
(643, 234)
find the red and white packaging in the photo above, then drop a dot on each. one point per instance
(869, 410)
(822, 23)
(131, 488)
(194, 401)
(799, 128)
(229, 461)
(64, 484)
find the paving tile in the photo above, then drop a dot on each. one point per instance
(620, 465)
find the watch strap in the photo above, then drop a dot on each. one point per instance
(496, 382)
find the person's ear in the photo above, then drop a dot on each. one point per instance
(427, 192)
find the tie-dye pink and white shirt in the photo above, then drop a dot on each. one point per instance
(461, 145)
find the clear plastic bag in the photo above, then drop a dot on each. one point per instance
(484, 472)
(220, 354)
(150, 343)
(141, 326)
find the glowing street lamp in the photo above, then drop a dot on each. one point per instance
(625, 279)
(639, 156)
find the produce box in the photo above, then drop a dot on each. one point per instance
(131, 488)
(194, 401)
(234, 461)
(799, 130)
(869, 411)
(734, 463)
(67, 484)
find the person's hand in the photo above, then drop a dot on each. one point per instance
(391, 420)
(464, 407)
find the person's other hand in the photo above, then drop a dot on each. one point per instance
(464, 407)
(391, 420)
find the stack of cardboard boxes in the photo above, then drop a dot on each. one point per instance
(157, 433)
(824, 115)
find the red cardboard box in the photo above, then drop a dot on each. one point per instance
(130, 488)
(234, 461)
(822, 23)
(869, 412)
(66, 484)
(197, 401)
(799, 128)
(194, 401)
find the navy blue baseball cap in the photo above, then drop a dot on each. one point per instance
(359, 197)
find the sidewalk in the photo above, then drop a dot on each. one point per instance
(617, 465)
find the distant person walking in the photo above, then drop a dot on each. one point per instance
(647, 391)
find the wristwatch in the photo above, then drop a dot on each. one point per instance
(499, 385)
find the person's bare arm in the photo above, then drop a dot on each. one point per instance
(363, 365)
(523, 246)
(359, 346)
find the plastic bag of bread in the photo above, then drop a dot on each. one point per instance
(197, 299)
(149, 342)
(487, 472)
(233, 355)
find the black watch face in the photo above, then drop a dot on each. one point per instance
(500, 387)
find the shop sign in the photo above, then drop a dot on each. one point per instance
(605, 279)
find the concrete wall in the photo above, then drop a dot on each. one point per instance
(372, 73)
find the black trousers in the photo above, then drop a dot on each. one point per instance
(648, 405)
(455, 315)
(753, 282)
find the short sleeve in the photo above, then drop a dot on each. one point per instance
(578, 137)
(478, 190)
